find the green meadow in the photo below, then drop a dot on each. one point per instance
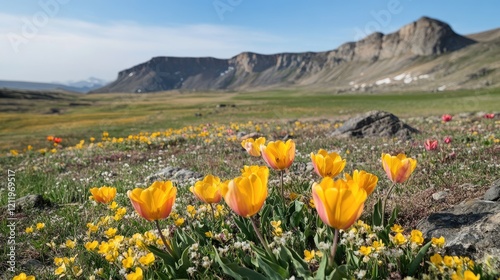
(26, 122)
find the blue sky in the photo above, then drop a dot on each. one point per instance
(62, 40)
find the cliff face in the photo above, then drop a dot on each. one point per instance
(424, 37)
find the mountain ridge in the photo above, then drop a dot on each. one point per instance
(340, 68)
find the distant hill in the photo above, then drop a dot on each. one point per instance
(79, 86)
(425, 55)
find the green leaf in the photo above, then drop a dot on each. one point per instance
(244, 227)
(272, 270)
(264, 218)
(418, 259)
(165, 256)
(393, 217)
(378, 215)
(321, 272)
(236, 271)
(298, 262)
(340, 272)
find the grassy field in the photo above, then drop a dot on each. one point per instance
(27, 122)
(70, 236)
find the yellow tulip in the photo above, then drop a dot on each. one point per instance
(103, 194)
(207, 190)
(23, 276)
(327, 164)
(246, 194)
(365, 180)
(154, 202)
(261, 171)
(252, 146)
(338, 204)
(278, 155)
(398, 168)
(469, 275)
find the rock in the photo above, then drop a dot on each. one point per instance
(375, 123)
(471, 228)
(253, 135)
(32, 201)
(175, 174)
(441, 195)
(493, 193)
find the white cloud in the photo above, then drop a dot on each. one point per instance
(67, 49)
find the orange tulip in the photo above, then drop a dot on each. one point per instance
(338, 204)
(278, 155)
(398, 168)
(103, 194)
(253, 146)
(154, 202)
(246, 194)
(365, 180)
(327, 164)
(207, 190)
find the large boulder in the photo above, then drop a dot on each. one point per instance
(471, 228)
(375, 124)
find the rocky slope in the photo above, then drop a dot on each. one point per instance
(410, 58)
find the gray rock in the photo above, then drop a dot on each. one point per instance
(375, 124)
(471, 228)
(32, 201)
(441, 195)
(493, 193)
(178, 175)
(245, 136)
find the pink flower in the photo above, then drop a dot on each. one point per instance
(446, 118)
(431, 145)
(447, 139)
(489, 116)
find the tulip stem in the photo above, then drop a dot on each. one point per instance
(281, 184)
(334, 247)
(213, 211)
(261, 238)
(385, 201)
(163, 238)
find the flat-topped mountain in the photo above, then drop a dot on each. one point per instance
(417, 51)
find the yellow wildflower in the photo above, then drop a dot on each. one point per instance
(29, 230)
(40, 226)
(147, 259)
(439, 242)
(364, 250)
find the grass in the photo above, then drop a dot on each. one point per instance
(124, 114)
(199, 144)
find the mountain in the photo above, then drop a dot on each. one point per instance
(88, 84)
(426, 55)
(80, 86)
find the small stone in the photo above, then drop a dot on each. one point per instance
(493, 193)
(309, 167)
(253, 135)
(439, 196)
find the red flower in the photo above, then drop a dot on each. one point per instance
(489, 116)
(57, 140)
(431, 145)
(446, 118)
(447, 139)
